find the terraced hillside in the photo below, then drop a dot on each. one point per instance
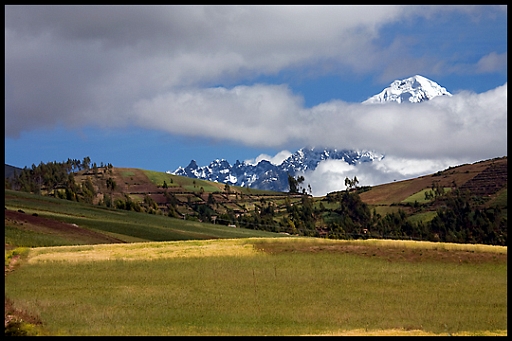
(489, 181)
(480, 178)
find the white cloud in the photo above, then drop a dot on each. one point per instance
(81, 65)
(466, 125)
(492, 62)
(330, 175)
(259, 115)
(276, 159)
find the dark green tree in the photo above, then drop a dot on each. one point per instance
(292, 183)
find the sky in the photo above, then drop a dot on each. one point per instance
(155, 87)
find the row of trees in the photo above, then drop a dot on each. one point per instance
(58, 179)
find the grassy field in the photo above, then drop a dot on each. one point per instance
(127, 226)
(265, 286)
(420, 196)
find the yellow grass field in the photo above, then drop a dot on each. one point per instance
(266, 286)
(220, 247)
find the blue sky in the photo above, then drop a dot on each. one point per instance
(153, 87)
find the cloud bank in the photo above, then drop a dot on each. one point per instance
(159, 67)
(102, 65)
(466, 125)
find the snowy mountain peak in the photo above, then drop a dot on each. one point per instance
(413, 89)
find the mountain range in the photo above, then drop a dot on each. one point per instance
(268, 176)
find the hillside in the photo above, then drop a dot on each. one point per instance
(184, 194)
(395, 210)
(34, 220)
(484, 178)
(10, 170)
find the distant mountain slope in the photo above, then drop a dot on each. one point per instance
(9, 170)
(161, 195)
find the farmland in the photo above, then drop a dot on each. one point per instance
(265, 286)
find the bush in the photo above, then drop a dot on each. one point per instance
(17, 327)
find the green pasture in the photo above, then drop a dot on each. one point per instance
(128, 226)
(500, 200)
(193, 288)
(19, 237)
(420, 196)
(422, 217)
(188, 184)
(383, 210)
(158, 178)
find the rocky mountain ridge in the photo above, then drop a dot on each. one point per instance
(268, 176)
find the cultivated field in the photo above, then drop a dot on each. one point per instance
(265, 286)
(46, 221)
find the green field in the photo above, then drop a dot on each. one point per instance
(233, 287)
(128, 226)
(420, 196)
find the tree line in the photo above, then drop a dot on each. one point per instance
(58, 179)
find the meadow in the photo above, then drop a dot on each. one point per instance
(265, 286)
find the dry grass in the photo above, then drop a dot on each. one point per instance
(384, 243)
(143, 251)
(226, 247)
(409, 332)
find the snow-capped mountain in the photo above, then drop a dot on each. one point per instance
(413, 89)
(268, 176)
(265, 175)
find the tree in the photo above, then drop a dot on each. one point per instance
(86, 162)
(111, 184)
(95, 169)
(211, 200)
(88, 192)
(351, 183)
(292, 182)
(151, 205)
(300, 180)
(295, 184)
